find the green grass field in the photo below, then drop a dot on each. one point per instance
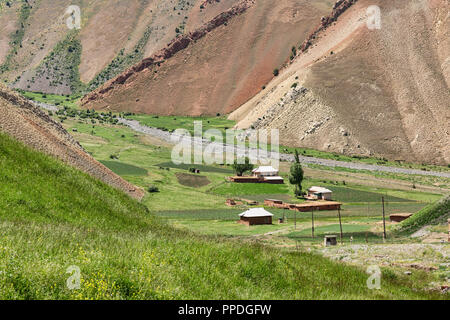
(54, 217)
(202, 168)
(357, 231)
(239, 189)
(70, 101)
(124, 169)
(344, 194)
(171, 123)
(208, 201)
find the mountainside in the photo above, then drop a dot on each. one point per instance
(367, 92)
(28, 124)
(217, 67)
(38, 52)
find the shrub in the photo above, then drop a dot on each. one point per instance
(153, 189)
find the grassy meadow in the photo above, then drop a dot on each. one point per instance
(54, 217)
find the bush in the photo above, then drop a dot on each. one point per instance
(153, 189)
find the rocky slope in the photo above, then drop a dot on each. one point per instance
(375, 92)
(27, 123)
(38, 52)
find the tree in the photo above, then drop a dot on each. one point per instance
(297, 175)
(296, 156)
(240, 168)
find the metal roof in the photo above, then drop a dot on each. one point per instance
(274, 178)
(319, 190)
(265, 169)
(256, 213)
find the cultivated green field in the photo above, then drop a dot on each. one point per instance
(239, 189)
(124, 169)
(70, 101)
(171, 123)
(204, 195)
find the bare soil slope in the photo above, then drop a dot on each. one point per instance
(369, 92)
(219, 70)
(28, 124)
(114, 34)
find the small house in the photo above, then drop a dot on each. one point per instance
(255, 216)
(320, 193)
(268, 174)
(265, 172)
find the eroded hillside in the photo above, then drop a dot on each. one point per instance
(27, 123)
(217, 67)
(375, 92)
(38, 52)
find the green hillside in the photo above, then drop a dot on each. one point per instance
(53, 217)
(437, 212)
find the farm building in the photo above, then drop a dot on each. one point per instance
(246, 179)
(272, 202)
(304, 207)
(265, 172)
(268, 174)
(256, 216)
(320, 193)
(318, 206)
(261, 175)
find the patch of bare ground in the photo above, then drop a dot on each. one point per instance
(191, 180)
(25, 122)
(409, 258)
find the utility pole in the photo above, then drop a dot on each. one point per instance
(367, 233)
(312, 220)
(295, 220)
(384, 219)
(340, 225)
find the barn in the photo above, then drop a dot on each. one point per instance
(255, 216)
